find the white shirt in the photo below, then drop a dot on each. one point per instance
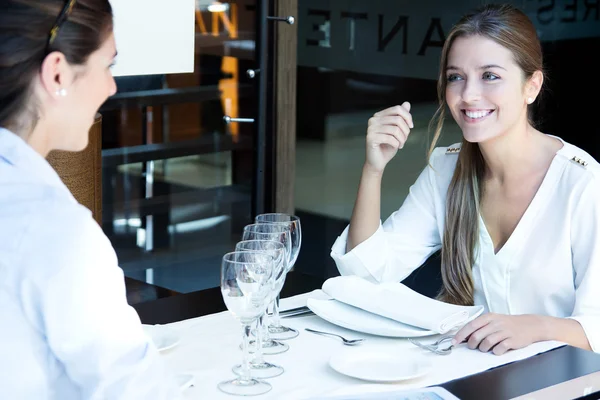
(66, 330)
(550, 265)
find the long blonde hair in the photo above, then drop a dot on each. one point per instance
(511, 28)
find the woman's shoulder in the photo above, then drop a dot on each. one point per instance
(440, 151)
(443, 159)
(580, 177)
(582, 171)
(440, 168)
(579, 160)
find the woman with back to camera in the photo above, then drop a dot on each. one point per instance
(67, 330)
(515, 212)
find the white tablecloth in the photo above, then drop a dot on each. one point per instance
(209, 348)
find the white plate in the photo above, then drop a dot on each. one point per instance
(354, 318)
(164, 338)
(380, 365)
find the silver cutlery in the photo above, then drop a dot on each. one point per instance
(436, 346)
(296, 312)
(347, 342)
(291, 310)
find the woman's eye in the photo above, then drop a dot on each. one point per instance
(490, 77)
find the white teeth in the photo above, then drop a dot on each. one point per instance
(477, 114)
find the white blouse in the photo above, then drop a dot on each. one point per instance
(66, 330)
(549, 265)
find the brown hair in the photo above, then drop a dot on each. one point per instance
(511, 28)
(25, 27)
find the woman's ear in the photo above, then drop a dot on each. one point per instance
(533, 86)
(55, 75)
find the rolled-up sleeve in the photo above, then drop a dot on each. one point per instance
(403, 242)
(367, 260)
(585, 244)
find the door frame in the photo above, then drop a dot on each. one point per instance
(284, 105)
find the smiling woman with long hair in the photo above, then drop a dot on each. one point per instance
(515, 212)
(67, 331)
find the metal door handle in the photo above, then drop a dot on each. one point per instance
(229, 120)
(289, 19)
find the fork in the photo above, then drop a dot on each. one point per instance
(434, 347)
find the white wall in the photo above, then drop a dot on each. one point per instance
(154, 36)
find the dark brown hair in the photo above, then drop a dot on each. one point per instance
(25, 27)
(512, 29)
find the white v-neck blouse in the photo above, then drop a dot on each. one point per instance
(550, 265)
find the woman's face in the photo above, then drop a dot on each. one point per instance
(91, 84)
(486, 91)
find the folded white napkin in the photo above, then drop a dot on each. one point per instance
(396, 301)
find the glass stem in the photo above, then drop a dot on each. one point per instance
(260, 336)
(266, 338)
(276, 321)
(245, 375)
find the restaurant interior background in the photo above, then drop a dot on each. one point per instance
(179, 183)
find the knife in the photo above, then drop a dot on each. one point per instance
(295, 312)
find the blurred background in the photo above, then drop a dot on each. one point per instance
(179, 182)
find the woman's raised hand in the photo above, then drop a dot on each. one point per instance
(387, 132)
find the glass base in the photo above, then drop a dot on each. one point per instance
(282, 332)
(269, 347)
(261, 371)
(243, 387)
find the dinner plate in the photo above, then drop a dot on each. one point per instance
(164, 338)
(354, 318)
(380, 365)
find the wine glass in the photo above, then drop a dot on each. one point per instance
(291, 222)
(258, 366)
(246, 287)
(278, 233)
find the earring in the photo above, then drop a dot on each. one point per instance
(61, 92)
(529, 100)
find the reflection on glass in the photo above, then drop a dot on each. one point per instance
(177, 180)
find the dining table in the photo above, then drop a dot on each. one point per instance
(210, 340)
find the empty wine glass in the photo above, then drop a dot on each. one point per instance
(258, 366)
(292, 223)
(246, 287)
(278, 233)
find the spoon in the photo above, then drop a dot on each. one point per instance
(347, 342)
